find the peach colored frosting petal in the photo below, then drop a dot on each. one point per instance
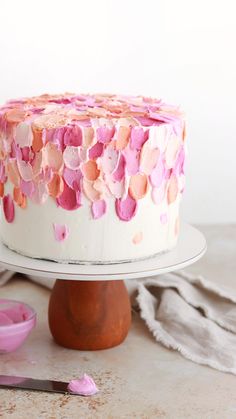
(90, 191)
(61, 232)
(98, 208)
(23, 134)
(3, 176)
(122, 137)
(126, 209)
(138, 186)
(1, 189)
(25, 170)
(37, 143)
(8, 208)
(19, 198)
(88, 137)
(40, 194)
(138, 238)
(149, 158)
(13, 172)
(53, 156)
(90, 170)
(56, 185)
(172, 190)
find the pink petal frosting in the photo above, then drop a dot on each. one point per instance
(98, 208)
(163, 218)
(158, 174)
(72, 178)
(120, 170)
(8, 208)
(110, 160)
(105, 134)
(126, 209)
(27, 188)
(138, 138)
(85, 386)
(61, 232)
(132, 160)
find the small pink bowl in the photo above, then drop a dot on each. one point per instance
(17, 319)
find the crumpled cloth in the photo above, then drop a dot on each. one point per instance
(183, 312)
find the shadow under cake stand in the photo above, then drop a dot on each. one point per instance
(89, 307)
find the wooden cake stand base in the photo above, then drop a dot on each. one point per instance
(89, 307)
(89, 315)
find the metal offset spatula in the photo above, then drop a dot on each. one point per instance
(23, 383)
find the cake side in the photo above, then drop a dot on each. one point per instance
(90, 178)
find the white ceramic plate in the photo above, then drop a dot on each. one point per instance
(191, 247)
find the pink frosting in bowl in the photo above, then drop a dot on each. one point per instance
(17, 319)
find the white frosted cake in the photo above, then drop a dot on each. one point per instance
(90, 178)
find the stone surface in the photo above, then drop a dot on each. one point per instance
(138, 379)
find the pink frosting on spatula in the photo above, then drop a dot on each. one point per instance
(84, 386)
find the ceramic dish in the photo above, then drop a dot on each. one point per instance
(17, 319)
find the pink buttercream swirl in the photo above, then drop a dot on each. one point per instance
(84, 386)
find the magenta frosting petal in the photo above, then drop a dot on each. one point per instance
(126, 209)
(8, 208)
(69, 199)
(96, 151)
(73, 136)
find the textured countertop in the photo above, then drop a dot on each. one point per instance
(138, 379)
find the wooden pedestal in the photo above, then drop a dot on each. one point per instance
(89, 315)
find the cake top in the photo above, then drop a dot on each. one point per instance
(54, 111)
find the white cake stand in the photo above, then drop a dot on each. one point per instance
(89, 307)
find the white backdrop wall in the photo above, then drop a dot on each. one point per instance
(182, 51)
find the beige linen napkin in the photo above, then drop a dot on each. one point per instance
(185, 313)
